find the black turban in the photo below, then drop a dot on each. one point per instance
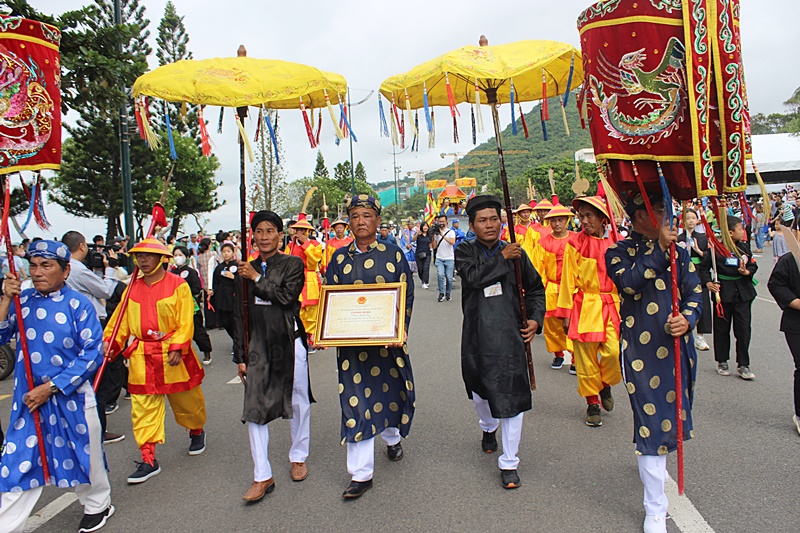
(268, 216)
(476, 203)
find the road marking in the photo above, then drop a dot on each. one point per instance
(49, 511)
(683, 512)
(4, 396)
(235, 381)
(768, 300)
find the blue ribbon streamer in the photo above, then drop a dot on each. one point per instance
(347, 122)
(427, 111)
(271, 136)
(383, 126)
(544, 124)
(172, 153)
(569, 80)
(669, 214)
(513, 115)
(30, 210)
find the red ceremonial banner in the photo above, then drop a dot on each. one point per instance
(664, 83)
(30, 97)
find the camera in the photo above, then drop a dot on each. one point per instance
(436, 228)
(94, 260)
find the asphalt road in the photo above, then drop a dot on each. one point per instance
(741, 469)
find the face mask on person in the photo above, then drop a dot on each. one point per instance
(180, 260)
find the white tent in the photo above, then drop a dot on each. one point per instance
(775, 153)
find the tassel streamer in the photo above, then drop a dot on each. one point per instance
(451, 100)
(402, 130)
(455, 130)
(319, 127)
(39, 214)
(545, 104)
(522, 118)
(138, 114)
(478, 110)
(31, 208)
(569, 81)
(347, 129)
(713, 241)
(272, 135)
(221, 116)
(383, 127)
(339, 133)
(309, 131)
(428, 114)
(395, 133)
(724, 234)
(205, 143)
(408, 109)
(747, 213)
(151, 138)
(472, 117)
(184, 111)
(243, 138)
(764, 194)
(564, 116)
(544, 125)
(25, 188)
(6, 211)
(513, 117)
(415, 140)
(258, 125)
(172, 153)
(669, 212)
(432, 134)
(396, 117)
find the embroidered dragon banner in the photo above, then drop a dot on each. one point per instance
(30, 98)
(664, 83)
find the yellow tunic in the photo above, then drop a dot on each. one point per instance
(311, 254)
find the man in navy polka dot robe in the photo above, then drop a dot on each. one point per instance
(65, 346)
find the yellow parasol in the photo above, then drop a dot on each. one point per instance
(241, 82)
(508, 73)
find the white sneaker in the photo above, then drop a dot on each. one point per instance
(655, 524)
(796, 420)
(425, 286)
(700, 343)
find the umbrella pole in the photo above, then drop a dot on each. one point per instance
(491, 96)
(242, 113)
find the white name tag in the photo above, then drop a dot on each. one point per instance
(493, 290)
(732, 261)
(259, 301)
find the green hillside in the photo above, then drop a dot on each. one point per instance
(557, 148)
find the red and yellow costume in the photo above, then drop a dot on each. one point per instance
(526, 235)
(159, 318)
(548, 260)
(334, 244)
(588, 297)
(311, 254)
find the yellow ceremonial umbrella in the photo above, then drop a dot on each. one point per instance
(506, 73)
(241, 82)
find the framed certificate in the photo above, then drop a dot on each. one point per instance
(361, 315)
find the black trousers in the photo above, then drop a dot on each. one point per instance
(424, 268)
(227, 321)
(739, 314)
(705, 322)
(200, 333)
(211, 316)
(793, 340)
(114, 378)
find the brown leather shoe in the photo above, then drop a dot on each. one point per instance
(299, 471)
(258, 490)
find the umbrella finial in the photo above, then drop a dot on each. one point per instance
(242, 51)
(483, 41)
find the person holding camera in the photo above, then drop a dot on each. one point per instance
(444, 239)
(97, 288)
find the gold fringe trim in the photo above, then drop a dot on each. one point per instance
(243, 138)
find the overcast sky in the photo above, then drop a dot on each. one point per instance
(369, 40)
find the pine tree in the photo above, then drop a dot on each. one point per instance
(268, 179)
(320, 170)
(172, 45)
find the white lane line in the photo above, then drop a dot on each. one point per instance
(49, 511)
(768, 300)
(683, 512)
(235, 381)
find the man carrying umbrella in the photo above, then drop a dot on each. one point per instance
(376, 384)
(638, 267)
(493, 360)
(64, 341)
(589, 306)
(310, 251)
(160, 319)
(275, 369)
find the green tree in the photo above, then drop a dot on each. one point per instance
(793, 123)
(341, 175)
(320, 169)
(172, 45)
(268, 177)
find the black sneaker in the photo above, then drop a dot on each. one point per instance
(109, 438)
(111, 408)
(447, 297)
(93, 522)
(558, 363)
(206, 358)
(593, 419)
(395, 452)
(606, 399)
(144, 472)
(489, 441)
(197, 444)
(127, 395)
(572, 370)
(441, 297)
(510, 479)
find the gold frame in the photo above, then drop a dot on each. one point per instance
(400, 314)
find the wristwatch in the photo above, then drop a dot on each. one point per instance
(53, 388)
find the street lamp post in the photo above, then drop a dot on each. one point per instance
(124, 145)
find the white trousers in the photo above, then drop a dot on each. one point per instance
(95, 497)
(653, 473)
(361, 455)
(510, 434)
(300, 424)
